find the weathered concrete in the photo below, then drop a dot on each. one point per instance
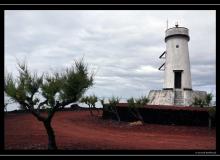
(167, 97)
(189, 96)
(161, 97)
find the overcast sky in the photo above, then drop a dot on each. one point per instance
(122, 47)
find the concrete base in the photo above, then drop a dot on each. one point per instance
(161, 97)
(167, 97)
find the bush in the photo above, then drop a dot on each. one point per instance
(90, 101)
(203, 102)
(199, 102)
(208, 98)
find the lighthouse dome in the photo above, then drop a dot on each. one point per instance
(177, 31)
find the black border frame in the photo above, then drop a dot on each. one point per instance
(107, 7)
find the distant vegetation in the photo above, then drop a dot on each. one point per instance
(203, 101)
(90, 101)
(135, 104)
(111, 107)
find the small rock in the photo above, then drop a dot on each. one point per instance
(136, 123)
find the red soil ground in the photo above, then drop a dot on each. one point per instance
(76, 130)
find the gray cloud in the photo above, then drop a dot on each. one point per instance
(121, 46)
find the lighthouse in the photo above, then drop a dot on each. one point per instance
(177, 87)
(177, 74)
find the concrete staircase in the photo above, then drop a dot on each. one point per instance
(178, 99)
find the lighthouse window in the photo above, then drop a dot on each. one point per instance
(177, 46)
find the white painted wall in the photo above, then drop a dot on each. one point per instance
(177, 58)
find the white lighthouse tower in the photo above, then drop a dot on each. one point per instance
(177, 87)
(177, 65)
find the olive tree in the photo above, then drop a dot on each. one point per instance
(102, 101)
(135, 104)
(58, 90)
(113, 101)
(90, 101)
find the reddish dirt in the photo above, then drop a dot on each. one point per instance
(76, 130)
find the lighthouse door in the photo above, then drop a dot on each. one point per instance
(177, 80)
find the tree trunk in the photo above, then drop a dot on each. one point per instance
(210, 123)
(116, 113)
(118, 117)
(5, 107)
(51, 135)
(97, 110)
(139, 116)
(90, 109)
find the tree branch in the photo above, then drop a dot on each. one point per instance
(54, 109)
(41, 104)
(37, 115)
(31, 108)
(64, 103)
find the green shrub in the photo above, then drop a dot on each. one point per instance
(208, 98)
(199, 102)
(203, 102)
(90, 101)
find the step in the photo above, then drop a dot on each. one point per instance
(178, 102)
(178, 98)
(178, 95)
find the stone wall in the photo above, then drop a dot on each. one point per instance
(189, 96)
(166, 97)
